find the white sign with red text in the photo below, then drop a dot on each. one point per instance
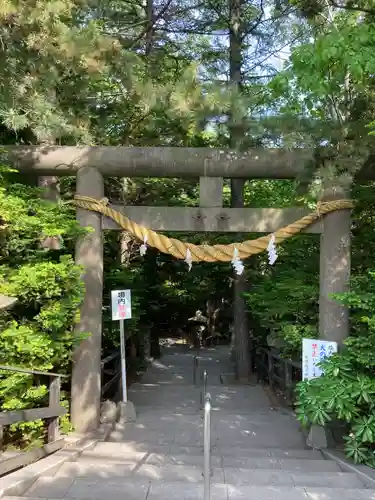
(121, 301)
(314, 351)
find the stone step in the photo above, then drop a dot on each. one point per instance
(246, 440)
(134, 489)
(113, 473)
(244, 462)
(293, 453)
(136, 451)
(154, 459)
(339, 494)
(277, 478)
(287, 464)
(284, 493)
(77, 480)
(261, 417)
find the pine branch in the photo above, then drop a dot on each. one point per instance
(351, 7)
(151, 25)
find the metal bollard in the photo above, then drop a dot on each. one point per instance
(195, 367)
(204, 389)
(207, 448)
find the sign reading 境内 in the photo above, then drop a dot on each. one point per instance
(121, 302)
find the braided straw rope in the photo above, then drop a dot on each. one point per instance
(206, 253)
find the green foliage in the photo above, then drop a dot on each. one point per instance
(346, 391)
(38, 332)
(49, 55)
(284, 299)
(107, 73)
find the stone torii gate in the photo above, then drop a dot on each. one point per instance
(91, 164)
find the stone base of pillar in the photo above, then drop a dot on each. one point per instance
(126, 412)
(318, 437)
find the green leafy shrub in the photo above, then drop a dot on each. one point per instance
(284, 299)
(37, 333)
(346, 391)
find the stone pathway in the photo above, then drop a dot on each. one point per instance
(257, 453)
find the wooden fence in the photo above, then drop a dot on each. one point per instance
(51, 413)
(279, 372)
(111, 375)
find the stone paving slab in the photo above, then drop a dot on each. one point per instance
(339, 494)
(294, 453)
(277, 493)
(302, 454)
(164, 420)
(245, 477)
(327, 480)
(173, 459)
(21, 498)
(134, 451)
(290, 465)
(173, 491)
(274, 477)
(268, 440)
(244, 449)
(262, 461)
(159, 459)
(265, 493)
(115, 472)
(129, 489)
(50, 487)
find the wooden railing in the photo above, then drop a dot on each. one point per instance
(280, 373)
(51, 414)
(111, 375)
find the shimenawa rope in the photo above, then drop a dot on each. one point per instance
(207, 253)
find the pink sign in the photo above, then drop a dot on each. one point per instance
(122, 311)
(121, 304)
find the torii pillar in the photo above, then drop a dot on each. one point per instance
(335, 257)
(86, 376)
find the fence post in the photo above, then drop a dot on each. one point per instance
(270, 369)
(195, 367)
(288, 381)
(54, 402)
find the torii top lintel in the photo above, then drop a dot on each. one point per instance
(158, 161)
(121, 161)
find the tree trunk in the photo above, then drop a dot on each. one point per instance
(149, 313)
(236, 131)
(150, 30)
(51, 187)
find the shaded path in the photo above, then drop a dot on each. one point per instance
(257, 453)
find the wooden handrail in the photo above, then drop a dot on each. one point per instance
(31, 372)
(115, 372)
(17, 416)
(296, 364)
(51, 414)
(285, 381)
(109, 358)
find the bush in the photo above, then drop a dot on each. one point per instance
(38, 332)
(346, 391)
